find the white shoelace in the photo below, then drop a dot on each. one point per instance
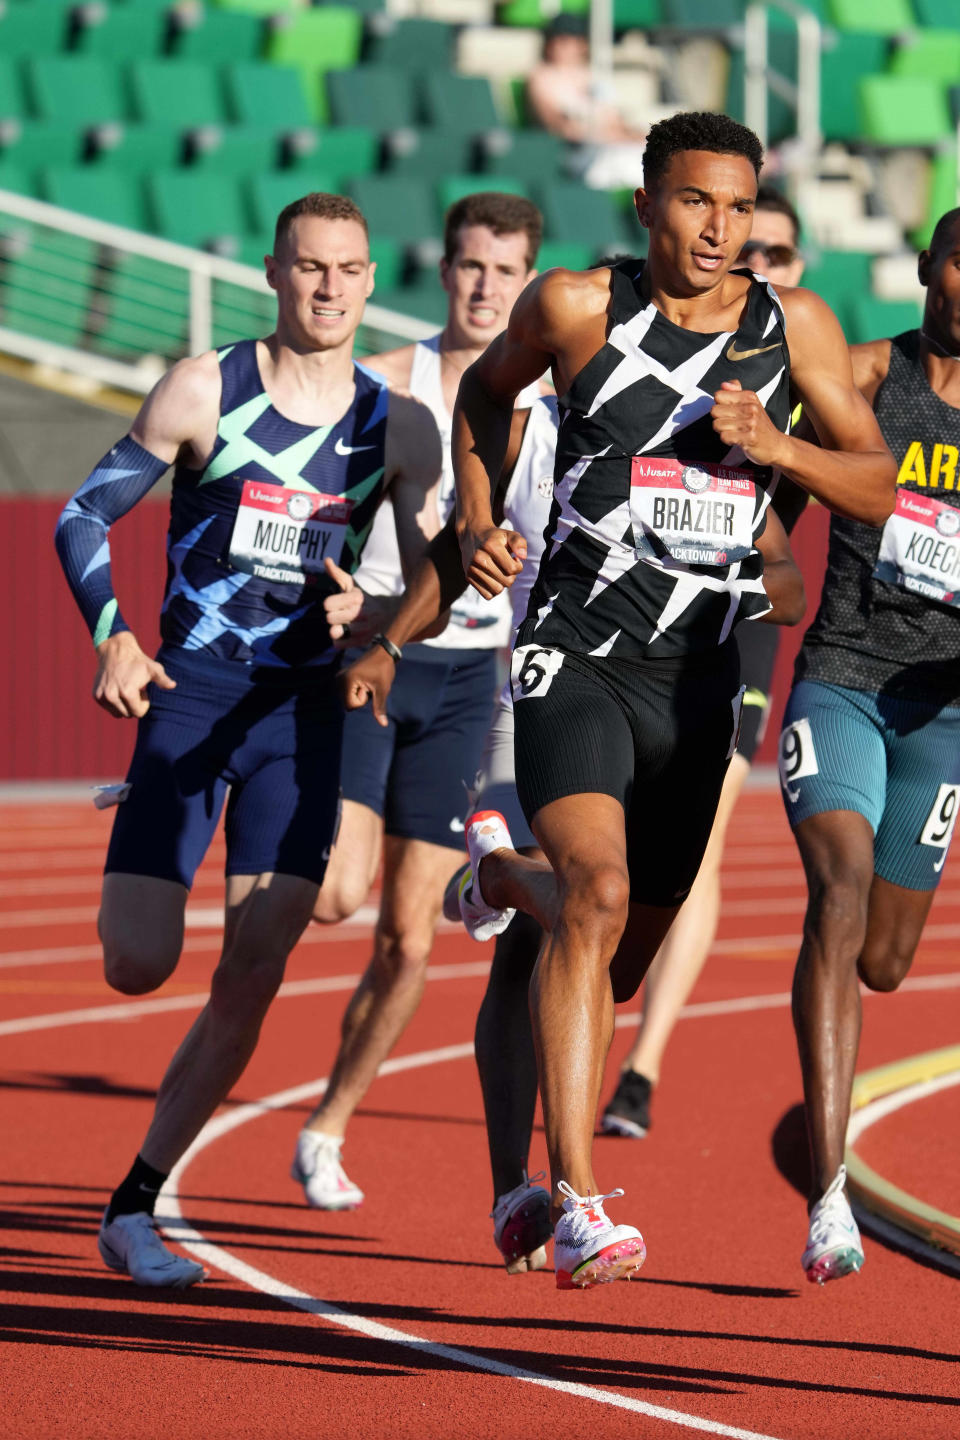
(586, 1202)
(527, 1183)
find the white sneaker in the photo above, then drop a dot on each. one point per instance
(485, 831)
(588, 1249)
(521, 1225)
(316, 1165)
(834, 1247)
(130, 1243)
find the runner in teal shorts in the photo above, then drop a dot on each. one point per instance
(870, 749)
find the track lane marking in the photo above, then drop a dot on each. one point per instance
(175, 1224)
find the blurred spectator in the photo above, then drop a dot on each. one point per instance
(565, 96)
(773, 247)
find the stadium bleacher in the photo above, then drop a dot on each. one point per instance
(196, 122)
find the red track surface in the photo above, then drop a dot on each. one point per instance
(720, 1331)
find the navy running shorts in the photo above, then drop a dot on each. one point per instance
(757, 642)
(497, 781)
(894, 761)
(415, 772)
(270, 737)
(656, 735)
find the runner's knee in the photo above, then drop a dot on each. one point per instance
(140, 966)
(595, 901)
(836, 919)
(883, 965)
(402, 951)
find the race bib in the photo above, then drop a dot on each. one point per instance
(285, 535)
(920, 548)
(702, 514)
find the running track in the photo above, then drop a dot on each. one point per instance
(397, 1319)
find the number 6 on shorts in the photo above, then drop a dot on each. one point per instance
(532, 670)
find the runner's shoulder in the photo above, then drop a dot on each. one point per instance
(803, 306)
(560, 298)
(394, 366)
(871, 364)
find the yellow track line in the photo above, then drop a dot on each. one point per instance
(877, 1195)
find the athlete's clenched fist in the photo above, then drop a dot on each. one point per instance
(492, 560)
(740, 419)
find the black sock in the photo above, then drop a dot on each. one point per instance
(138, 1192)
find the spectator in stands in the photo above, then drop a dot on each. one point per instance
(566, 97)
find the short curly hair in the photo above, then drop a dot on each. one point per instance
(697, 130)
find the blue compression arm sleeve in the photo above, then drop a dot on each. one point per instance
(121, 479)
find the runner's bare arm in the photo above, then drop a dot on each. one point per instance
(852, 472)
(533, 342)
(870, 364)
(179, 417)
(782, 579)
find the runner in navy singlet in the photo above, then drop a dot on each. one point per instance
(870, 749)
(674, 382)
(283, 449)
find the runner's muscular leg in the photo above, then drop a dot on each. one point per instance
(415, 874)
(141, 927)
(354, 862)
(895, 920)
(837, 852)
(265, 917)
(571, 997)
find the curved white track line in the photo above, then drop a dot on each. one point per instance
(861, 1121)
(177, 1227)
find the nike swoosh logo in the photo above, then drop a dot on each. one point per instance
(341, 449)
(734, 354)
(456, 825)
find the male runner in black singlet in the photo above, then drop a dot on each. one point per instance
(675, 392)
(284, 448)
(870, 749)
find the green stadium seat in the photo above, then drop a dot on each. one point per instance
(939, 14)
(96, 190)
(344, 151)
(532, 155)
(388, 256)
(16, 177)
(374, 95)
(199, 209)
(234, 150)
(455, 187)
(703, 14)
(873, 319)
(120, 32)
(269, 194)
(186, 91)
(637, 14)
(217, 37)
(953, 96)
(137, 149)
(459, 104)
(903, 110)
(874, 17)
(537, 12)
(841, 68)
(932, 54)
(839, 276)
(325, 37)
(567, 256)
(75, 89)
(587, 217)
(142, 306)
(239, 313)
(397, 208)
(268, 96)
(13, 102)
(943, 194)
(260, 7)
(45, 271)
(428, 154)
(36, 145)
(424, 300)
(31, 30)
(412, 44)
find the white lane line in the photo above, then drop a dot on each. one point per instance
(135, 1009)
(171, 1216)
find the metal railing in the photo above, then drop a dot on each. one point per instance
(97, 300)
(803, 96)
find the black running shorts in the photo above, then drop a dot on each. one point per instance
(656, 736)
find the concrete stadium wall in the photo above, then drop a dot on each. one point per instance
(50, 728)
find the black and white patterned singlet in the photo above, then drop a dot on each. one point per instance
(650, 545)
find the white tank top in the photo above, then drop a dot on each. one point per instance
(475, 623)
(526, 505)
